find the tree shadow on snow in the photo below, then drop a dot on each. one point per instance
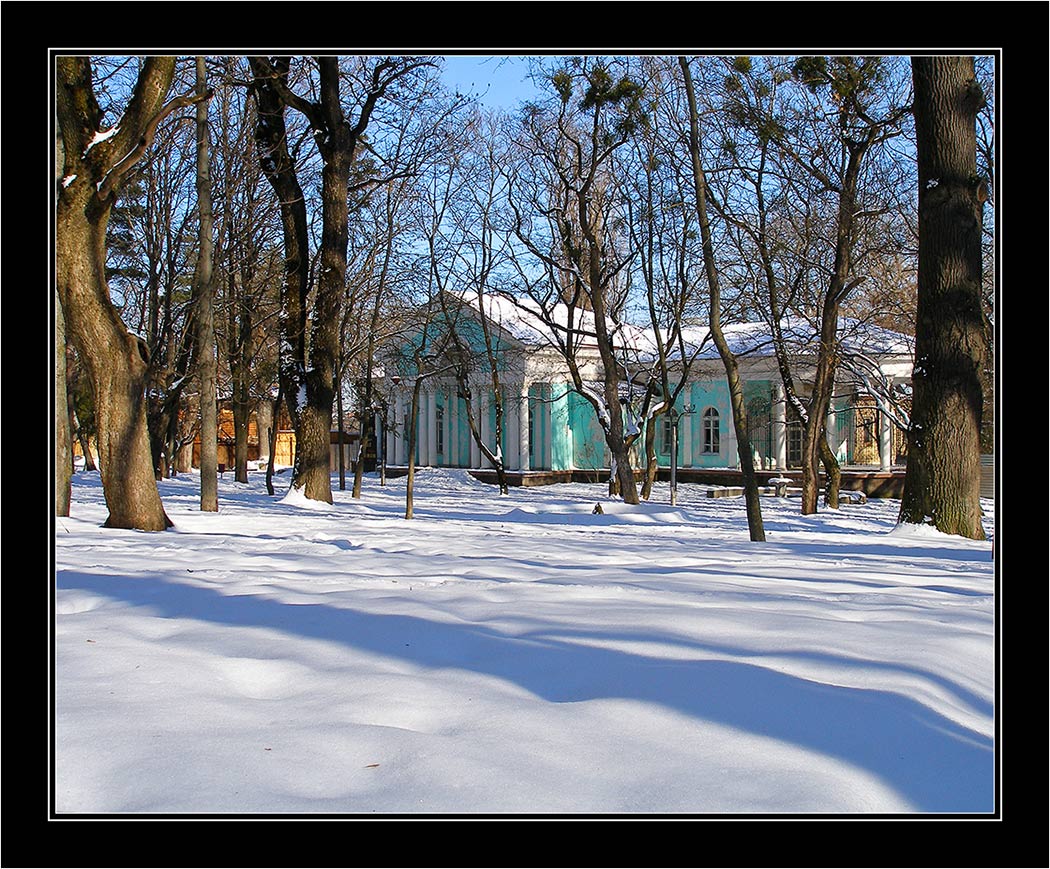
(934, 763)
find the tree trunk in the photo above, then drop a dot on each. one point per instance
(624, 471)
(340, 457)
(204, 289)
(365, 422)
(115, 360)
(832, 473)
(88, 449)
(942, 482)
(814, 440)
(242, 412)
(158, 424)
(495, 457)
(651, 465)
(63, 437)
(274, 416)
(279, 168)
(116, 363)
(239, 358)
(753, 506)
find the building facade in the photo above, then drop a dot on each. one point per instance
(549, 426)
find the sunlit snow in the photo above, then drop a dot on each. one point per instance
(517, 655)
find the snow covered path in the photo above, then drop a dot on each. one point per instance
(518, 654)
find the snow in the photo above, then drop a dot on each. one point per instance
(101, 136)
(524, 320)
(517, 655)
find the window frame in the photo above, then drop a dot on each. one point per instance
(711, 428)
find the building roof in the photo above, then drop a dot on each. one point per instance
(523, 320)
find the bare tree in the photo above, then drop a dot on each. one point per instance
(96, 162)
(308, 367)
(664, 232)
(248, 260)
(755, 525)
(420, 358)
(466, 253)
(425, 135)
(564, 195)
(204, 292)
(817, 125)
(150, 249)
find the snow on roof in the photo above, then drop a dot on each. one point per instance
(524, 320)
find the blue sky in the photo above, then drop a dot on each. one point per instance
(502, 80)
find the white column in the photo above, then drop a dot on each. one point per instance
(570, 435)
(475, 452)
(727, 444)
(452, 444)
(546, 417)
(486, 428)
(380, 433)
(388, 435)
(780, 426)
(831, 425)
(511, 460)
(399, 428)
(420, 423)
(431, 428)
(685, 441)
(885, 441)
(523, 428)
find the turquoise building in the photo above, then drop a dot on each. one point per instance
(549, 426)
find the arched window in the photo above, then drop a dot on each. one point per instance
(712, 439)
(439, 422)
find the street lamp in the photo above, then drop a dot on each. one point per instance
(676, 415)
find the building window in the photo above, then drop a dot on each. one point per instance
(759, 430)
(794, 444)
(666, 434)
(439, 422)
(712, 439)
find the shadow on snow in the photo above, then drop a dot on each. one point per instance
(934, 763)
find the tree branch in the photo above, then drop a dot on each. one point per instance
(122, 167)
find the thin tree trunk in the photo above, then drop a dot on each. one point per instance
(88, 451)
(753, 506)
(273, 440)
(339, 427)
(412, 428)
(205, 291)
(495, 457)
(651, 464)
(242, 411)
(942, 482)
(814, 438)
(63, 438)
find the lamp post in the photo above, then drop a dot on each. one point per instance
(676, 415)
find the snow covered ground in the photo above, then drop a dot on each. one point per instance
(518, 654)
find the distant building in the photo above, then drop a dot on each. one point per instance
(549, 426)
